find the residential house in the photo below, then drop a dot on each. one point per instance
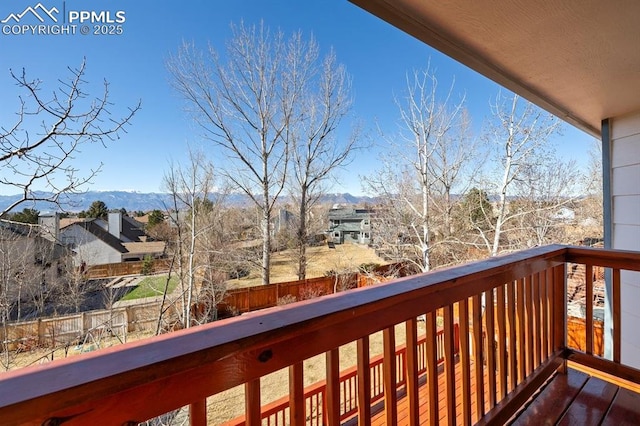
(349, 225)
(117, 239)
(24, 242)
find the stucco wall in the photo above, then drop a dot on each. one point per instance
(625, 192)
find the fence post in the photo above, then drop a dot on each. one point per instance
(125, 312)
(40, 332)
(83, 327)
(130, 318)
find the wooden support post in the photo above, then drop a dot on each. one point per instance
(529, 315)
(521, 354)
(478, 356)
(449, 365)
(389, 365)
(501, 342)
(465, 361)
(432, 368)
(411, 368)
(364, 382)
(589, 309)
(560, 311)
(333, 387)
(511, 319)
(296, 394)
(537, 323)
(617, 317)
(491, 348)
(252, 403)
(198, 413)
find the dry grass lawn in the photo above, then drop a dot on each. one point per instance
(345, 257)
(44, 355)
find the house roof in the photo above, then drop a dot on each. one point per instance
(349, 213)
(151, 247)
(578, 59)
(144, 219)
(18, 228)
(64, 222)
(347, 227)
(132, 229)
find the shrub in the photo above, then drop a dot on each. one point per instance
(285, 300)
(147, 265)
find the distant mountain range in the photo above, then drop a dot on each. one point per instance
(137, 201)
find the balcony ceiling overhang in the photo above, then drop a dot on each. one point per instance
(578, 59)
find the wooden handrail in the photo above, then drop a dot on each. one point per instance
(140, 378)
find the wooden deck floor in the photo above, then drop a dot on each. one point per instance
(575, 398)
(378, 417)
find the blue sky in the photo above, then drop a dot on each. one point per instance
(376, 55)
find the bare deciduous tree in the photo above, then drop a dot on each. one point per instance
(200, 231)
(245, 106)
(531, 183)
(29, 281)
(590, 208)
(433, 152)
(37, 148)
(316, 149)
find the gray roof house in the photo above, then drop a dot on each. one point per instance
(349, 225)
(118, 239)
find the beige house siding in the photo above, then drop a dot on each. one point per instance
(625, 193)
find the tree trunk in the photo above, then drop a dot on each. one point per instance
(266, 231)
(502, 207)
(301, 236)
(266, 246)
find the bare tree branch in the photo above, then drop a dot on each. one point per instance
(68, 120)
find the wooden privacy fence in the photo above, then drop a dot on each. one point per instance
(576, 335)
(69, 329)
(125, 268)
(265, 296)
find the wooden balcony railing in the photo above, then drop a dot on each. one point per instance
(517, 301)
(277, 412)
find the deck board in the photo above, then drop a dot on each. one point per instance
(554, 399)
(574, 398)
(378, 417)
(625, 409)
(591, 404)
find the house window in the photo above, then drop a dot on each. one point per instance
(336, 221)
(365, 222)
(336, 234)
(365, 235)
